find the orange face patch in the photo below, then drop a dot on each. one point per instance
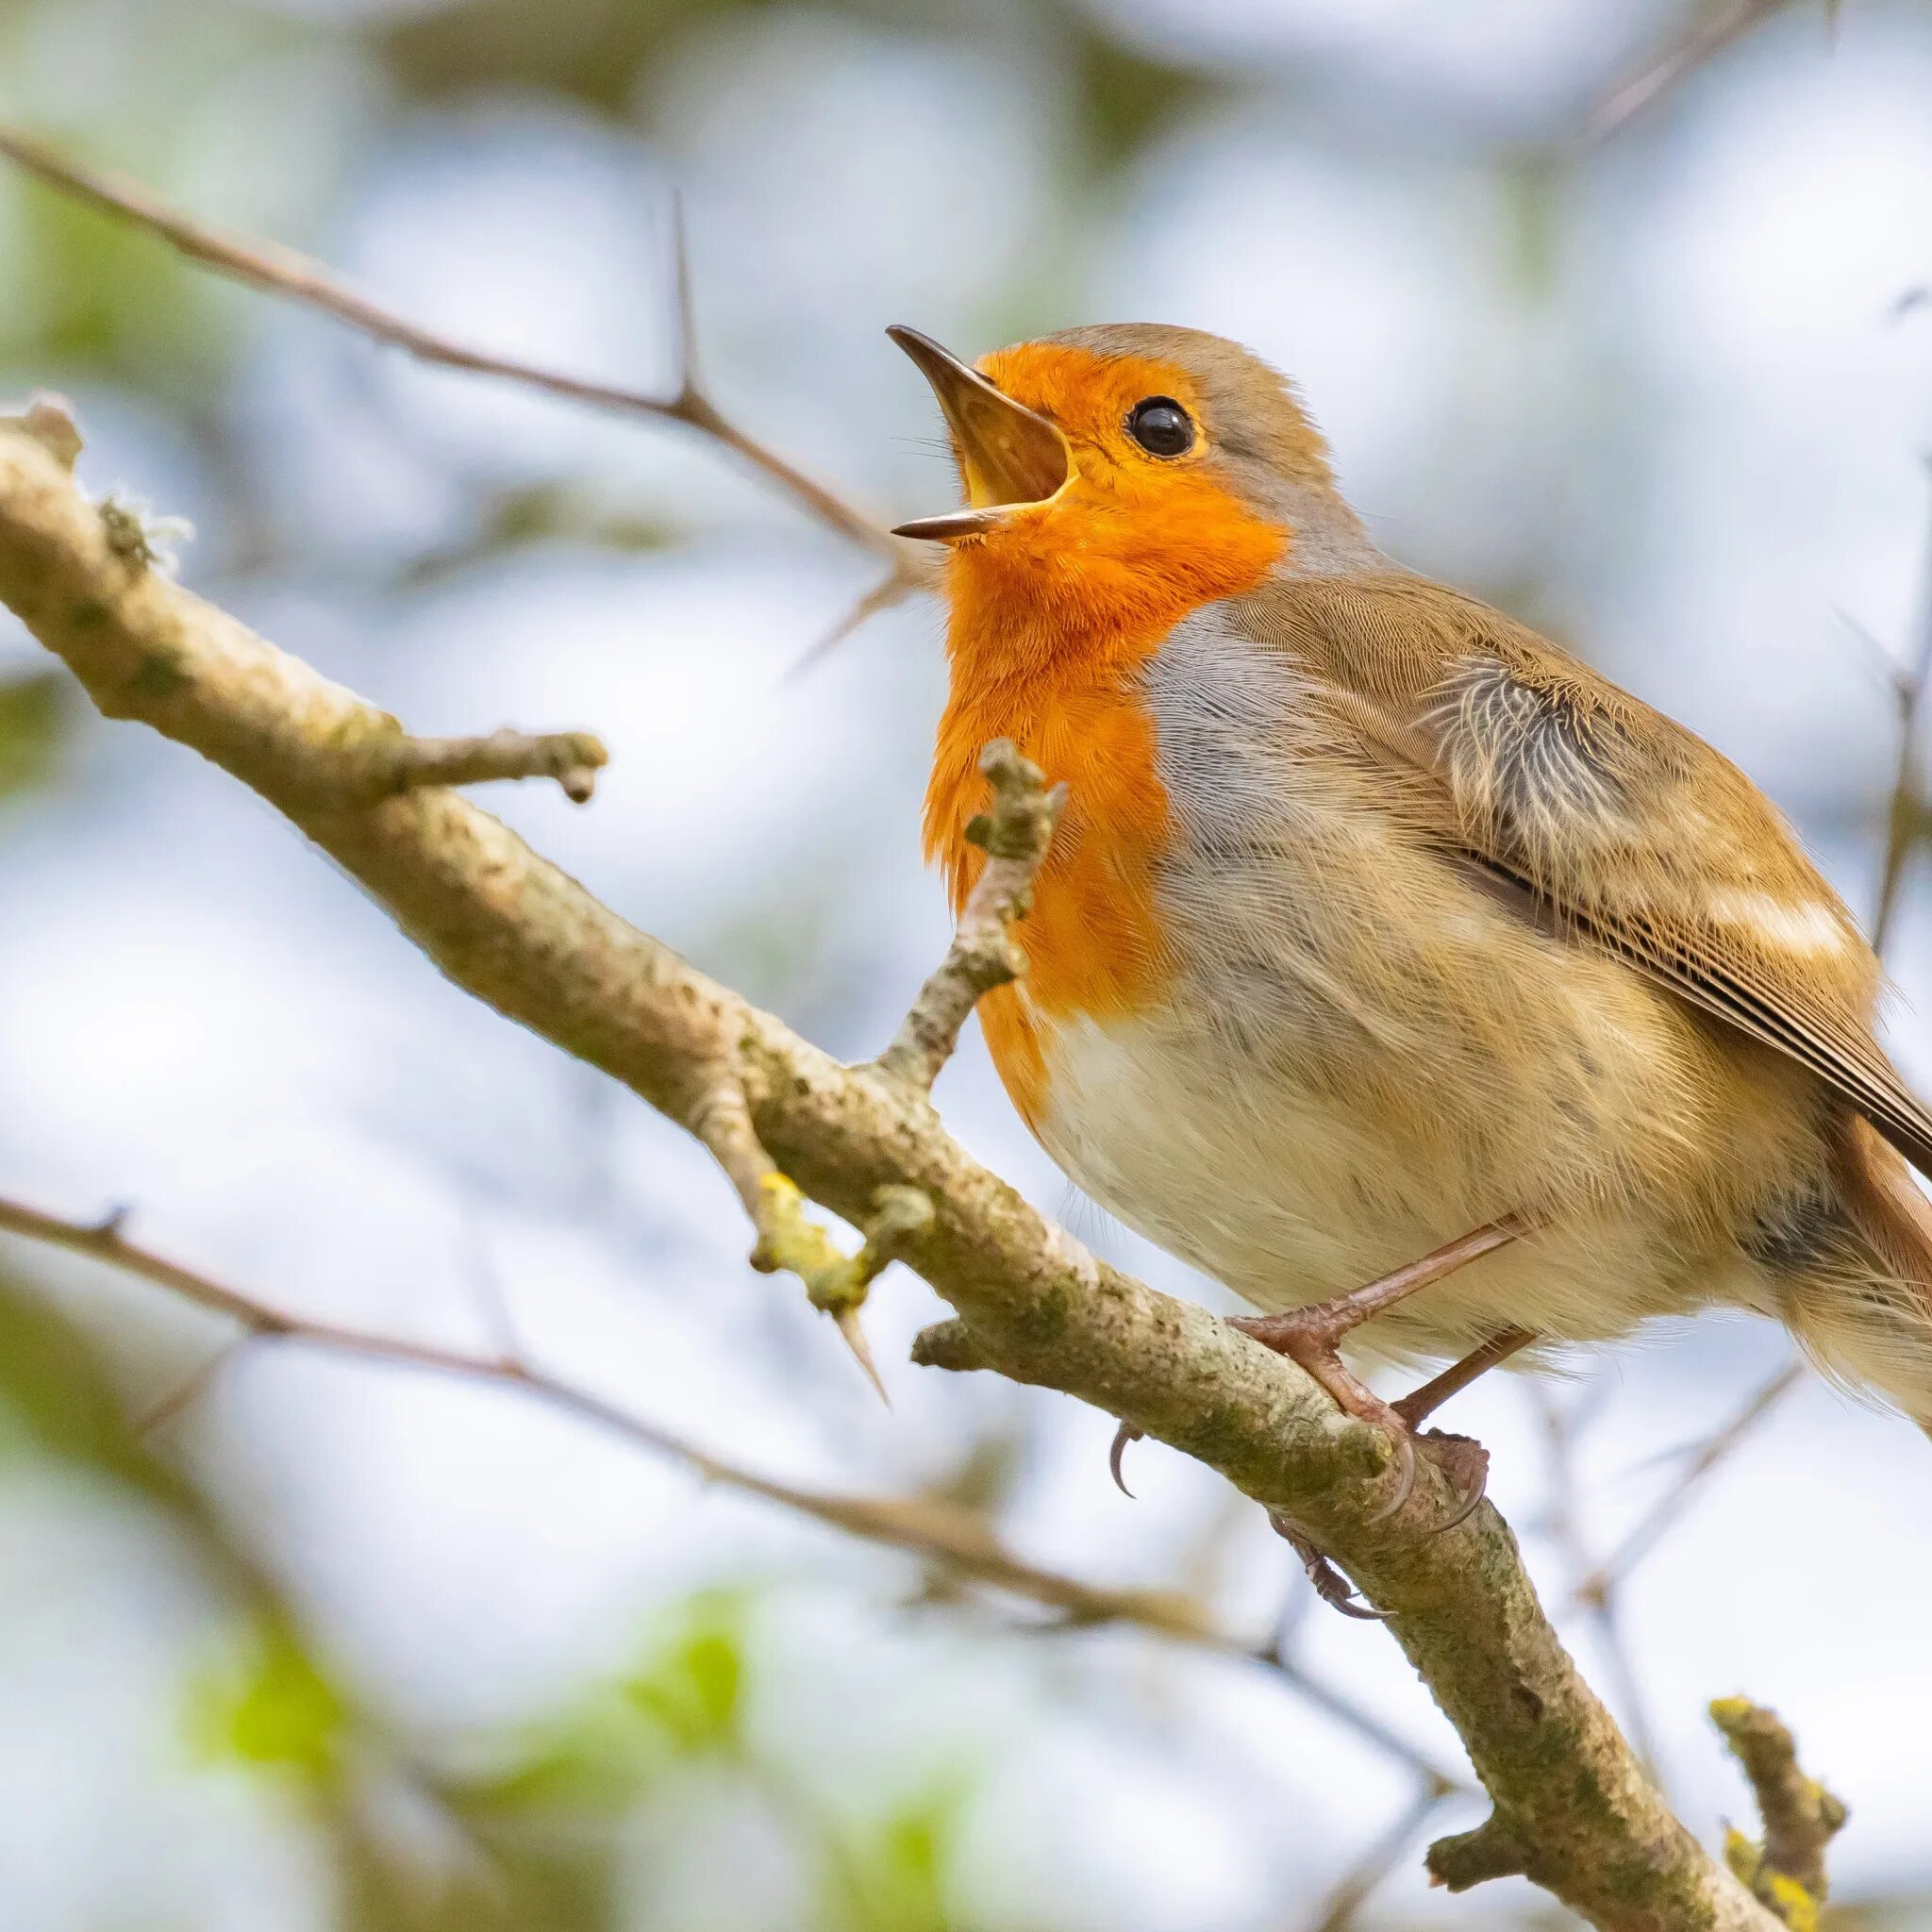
(1051, 614)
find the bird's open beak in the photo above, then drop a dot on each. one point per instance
(1012, 459)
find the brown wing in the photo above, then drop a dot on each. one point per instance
(1623, 827)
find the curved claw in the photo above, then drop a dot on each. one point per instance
(1458, 1453)
(1362, 1613)
(1123, 1435)
(1405, 1474)
(1331, 1585)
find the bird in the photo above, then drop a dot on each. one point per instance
(1391, 966)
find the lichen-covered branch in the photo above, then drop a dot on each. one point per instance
(1014, 836)
(1801, 1818)
(1570, 1798)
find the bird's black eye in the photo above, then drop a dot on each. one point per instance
(1161, 426)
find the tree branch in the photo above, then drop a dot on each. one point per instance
(1696, 47)
(1801, 1817)
(517, 933)
(1014, 836)
(957, 1543)
(279, 271)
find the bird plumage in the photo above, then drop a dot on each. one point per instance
(1376, 916)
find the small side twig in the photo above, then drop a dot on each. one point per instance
(1801, 1818)
(790, 1239)
(1014, 836)
(573, 759)
(1697, 47)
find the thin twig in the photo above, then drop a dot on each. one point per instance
(280, 271)
(190, 1389)
(1640, 1539)
(1015, 837)
(957, 1542)
(1352, 1889)
(890, 591)
(1906, 812)
(1566, 1529)
(1696, 48)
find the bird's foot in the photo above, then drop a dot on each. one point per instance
(1311, 1338)
(1331, 1585)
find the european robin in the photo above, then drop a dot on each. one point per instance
(1378, 928)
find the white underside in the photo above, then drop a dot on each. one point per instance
(1288, 1197)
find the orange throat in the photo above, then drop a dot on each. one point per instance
(1050, 625)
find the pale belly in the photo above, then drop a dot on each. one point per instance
(1294, 1137)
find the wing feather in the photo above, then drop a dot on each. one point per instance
(1621, 826)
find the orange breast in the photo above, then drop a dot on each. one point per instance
(1045, 637)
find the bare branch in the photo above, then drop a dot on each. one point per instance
(1801, 1817)
(1668, 1507)
(1352, 1891)
(279, 271)
(1014, 838)
(1701, 44)
(958, 1542)
(1599, 1598)
(518, 933)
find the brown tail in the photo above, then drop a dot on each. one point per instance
(1868, 1320)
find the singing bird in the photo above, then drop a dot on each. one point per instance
(1388, 964)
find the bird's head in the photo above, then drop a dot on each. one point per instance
(1130, 450)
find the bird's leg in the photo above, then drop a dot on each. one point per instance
(1420, 1404)
(1313, 1337)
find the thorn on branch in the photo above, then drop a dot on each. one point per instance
(112, 1225)
(836, 1283)
(1014, 836)
(1785, 1874)
(406, 764)
(789, 1240)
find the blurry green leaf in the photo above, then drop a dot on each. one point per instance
(894, 1879)
(57, 1401)
(33, 720)
(1126, 96)
(271, 1709)
(692, 1691)
(110, 297)
(685, 1701)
